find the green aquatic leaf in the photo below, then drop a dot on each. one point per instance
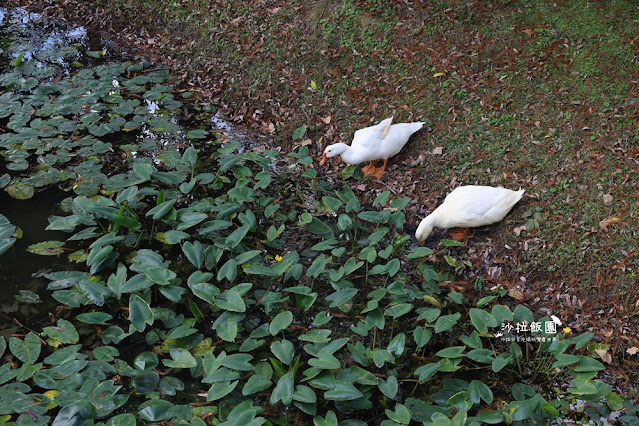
(325, 361)
(140, 313)
(316, 226)
(159, 211)
(156, 410)
(317, 266)
(478, 390)
(27, 296)
(259, 381)
(63, 332)
(220, 390)
(446, 322)
(126, 419)
(194, 252)
(180, 358)
(20, 191)
(398, 310)
(227, 330)
(160, 276)
(47, 248)
(426, 371)
(235, 237)
(197, 134)
(343, 392)
(341, 297)
(113, 98)
(27, 350)
(230, 300)
(95, 291)
(7, 231)
(205, 291)
(388, 387)
(94, 318)
(280, 322)
(283, 350)
(172, 237)
(283, 390)
(482, 320)
(98, 254)
(228, 270)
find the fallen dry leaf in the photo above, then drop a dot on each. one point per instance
(361, 187)
(604, 355)
(306, 142)
(516, 294)
(518, 229)
(607, 199)
(437, 150)
(604, 224)
(632, 351)
(326, 120)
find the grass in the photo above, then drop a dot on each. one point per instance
(529, 94)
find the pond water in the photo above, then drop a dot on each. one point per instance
(21, 270)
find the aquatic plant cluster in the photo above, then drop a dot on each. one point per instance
(209, 283)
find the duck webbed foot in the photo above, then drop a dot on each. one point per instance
(378, 173)
(460, 234)
(369, 169)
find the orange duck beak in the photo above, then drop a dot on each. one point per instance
(324, 159)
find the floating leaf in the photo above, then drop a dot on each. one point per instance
(47, 248)
(156, 410)
(28, 350)
(94, 318)
(64, 332)
(180, 359)
(197, 134)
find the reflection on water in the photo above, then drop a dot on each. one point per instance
(34, 30)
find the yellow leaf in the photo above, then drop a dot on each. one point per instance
(51, 394)
(438, 74)
(516, 294)
(604, 224)
(432, 301)
(54, 343)
(313, 85)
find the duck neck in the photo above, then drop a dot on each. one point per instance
(349, 155)
(426, 226)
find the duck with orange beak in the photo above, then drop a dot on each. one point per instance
(379, 142)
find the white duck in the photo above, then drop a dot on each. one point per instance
(470, 206)
(379, 142)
